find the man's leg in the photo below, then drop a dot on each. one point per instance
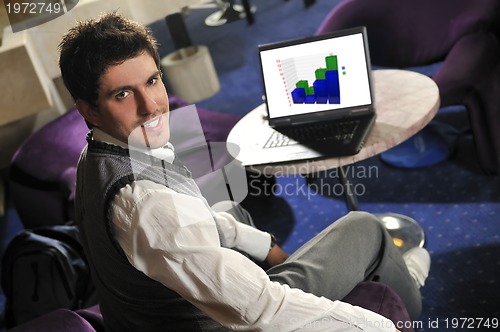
(353, 249)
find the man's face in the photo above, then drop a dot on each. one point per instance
(133, 103)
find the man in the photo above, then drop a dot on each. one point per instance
(161, 257)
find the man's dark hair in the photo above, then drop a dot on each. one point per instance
(89, 48)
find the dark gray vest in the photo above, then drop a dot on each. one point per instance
(129, 300)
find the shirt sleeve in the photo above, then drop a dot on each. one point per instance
(245, 238)
(173, 239)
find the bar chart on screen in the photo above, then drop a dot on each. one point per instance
(312, 79)
(316, 75)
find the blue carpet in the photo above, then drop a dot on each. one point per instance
(456, 204)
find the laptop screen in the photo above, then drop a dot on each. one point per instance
(316, 74)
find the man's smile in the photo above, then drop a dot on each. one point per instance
(153, 123)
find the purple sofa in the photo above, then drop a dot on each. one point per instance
(371, 295)
(462, 34)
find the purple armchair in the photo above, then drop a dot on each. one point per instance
(65, 320)
(463, 35)
(370, 295)
(43, 170)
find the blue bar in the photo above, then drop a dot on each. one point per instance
(334, 100)
(320, 91)
(333, 86)
(310, 99)
(320, 88)
(298, 95)
(321, 100)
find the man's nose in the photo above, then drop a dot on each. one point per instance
(146, 102)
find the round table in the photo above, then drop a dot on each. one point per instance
(405, 102)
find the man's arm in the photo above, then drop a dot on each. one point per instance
(276, 256)
(256, 243)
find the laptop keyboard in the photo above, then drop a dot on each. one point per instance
(278, 139)
(340, 131)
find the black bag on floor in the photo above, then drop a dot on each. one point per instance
(42, 270)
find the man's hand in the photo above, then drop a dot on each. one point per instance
(276, 256)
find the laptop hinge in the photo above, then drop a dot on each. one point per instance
(360, 110)
(281, 122)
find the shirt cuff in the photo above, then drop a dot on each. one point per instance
(254, 242)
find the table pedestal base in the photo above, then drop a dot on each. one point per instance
(406, 233)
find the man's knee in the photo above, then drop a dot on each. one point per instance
(364, 221)
(365, 228)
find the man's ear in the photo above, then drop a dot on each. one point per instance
(89, 112)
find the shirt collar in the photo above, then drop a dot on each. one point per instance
(165, 153)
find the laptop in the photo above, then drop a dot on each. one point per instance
(318, 96)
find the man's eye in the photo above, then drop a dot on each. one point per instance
(153, 81)
(121, 95)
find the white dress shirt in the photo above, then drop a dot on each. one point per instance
(172, 238)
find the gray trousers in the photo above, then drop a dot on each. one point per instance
(353, 249)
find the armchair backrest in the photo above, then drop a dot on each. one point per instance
(406, 33)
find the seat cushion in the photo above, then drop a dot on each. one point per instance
(380, 298)
(93, 316)
(60, 320)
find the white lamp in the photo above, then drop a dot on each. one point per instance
(190, 73)
(189, 70)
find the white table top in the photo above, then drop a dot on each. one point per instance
(405, 102)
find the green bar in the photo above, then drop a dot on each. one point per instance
(320, 73)
(302, 84)
(331, 62)
(310, 90)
